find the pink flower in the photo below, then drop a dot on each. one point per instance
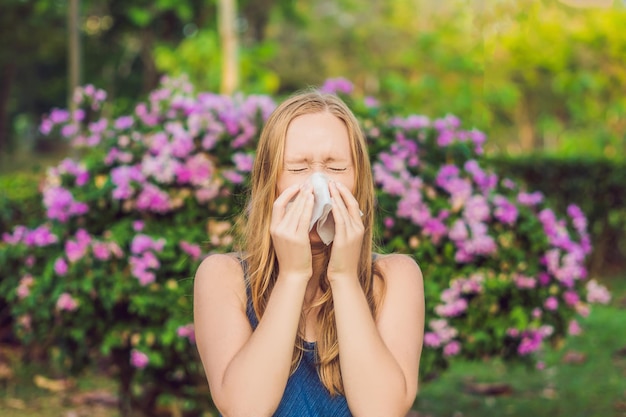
(571, 298)
(74, 250)
(531, 199)
(187, 331)
(191, 249)
(66, 302)
(154, 199)
(597, 293)
(101, 251)
(60, 266)
(243, 162)
(138, 225)
(431, 340)
(139, 359)
(524, 282)
(23, 289)
(574, 328)
(337, 85)
(551, 303)
(452, 349)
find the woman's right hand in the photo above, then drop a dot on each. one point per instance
(289, 229)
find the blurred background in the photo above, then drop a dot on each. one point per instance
(536, 76)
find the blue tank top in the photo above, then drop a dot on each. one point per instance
(305, 395)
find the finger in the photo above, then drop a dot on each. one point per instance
(351, 204)
(280, 205)
(340, 213)
(294, 214)
(307, 211)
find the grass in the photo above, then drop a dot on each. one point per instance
(593, 387)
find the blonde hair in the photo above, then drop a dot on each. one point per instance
(259, 252)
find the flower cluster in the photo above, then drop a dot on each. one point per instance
(143, 261)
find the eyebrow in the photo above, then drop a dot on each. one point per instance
(328, 159)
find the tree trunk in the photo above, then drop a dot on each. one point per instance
(74, 52)
(7, 74)
(226, 23)
(526, 128)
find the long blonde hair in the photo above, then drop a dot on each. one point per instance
(257, 245)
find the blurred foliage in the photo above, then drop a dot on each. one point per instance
(598, 186)
(536, 75)
(20, 200)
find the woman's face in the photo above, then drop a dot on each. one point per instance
(316, 142)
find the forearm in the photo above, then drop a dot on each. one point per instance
(373, 381)
(255, 379)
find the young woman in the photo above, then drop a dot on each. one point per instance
(294, 327)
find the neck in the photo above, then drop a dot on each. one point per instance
(319, 253)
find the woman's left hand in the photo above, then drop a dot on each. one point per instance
(349, 231)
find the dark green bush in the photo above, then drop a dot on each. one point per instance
(598, 186)
(20, 200)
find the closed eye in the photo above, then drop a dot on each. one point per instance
(337, 169)
(297, 170)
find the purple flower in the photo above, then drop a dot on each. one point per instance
(75, 250)
(337, 85)
(431, 340)
(124, 122)
(152, 198)
(573, 328)
(60, 204)
(505, 211)
(138, 359)
(23, 289)
(191, 249)
(571, 298)
(60, 266)
(243, 162)
(101, 251)
(187, 331)
(142, 243)
(452, 349)
(233, 176)
(531, 199)
(476, 209)
(524, 282)
(66, 302)
(40, 237)
(551, 303)
(531, 342)
(597, 293)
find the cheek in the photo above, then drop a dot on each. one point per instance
(285, 181)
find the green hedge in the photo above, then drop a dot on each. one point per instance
(20, 200)
(598, 186)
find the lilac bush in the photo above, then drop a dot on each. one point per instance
(109, 271)
(504, 273)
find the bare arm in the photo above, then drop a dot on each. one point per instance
(380, 359)
(248, 371)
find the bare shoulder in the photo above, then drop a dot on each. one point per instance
(221, 272)
(399, 270)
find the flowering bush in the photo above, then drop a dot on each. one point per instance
(503, 272)
(110, 268)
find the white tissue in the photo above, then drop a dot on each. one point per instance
(322, 206)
